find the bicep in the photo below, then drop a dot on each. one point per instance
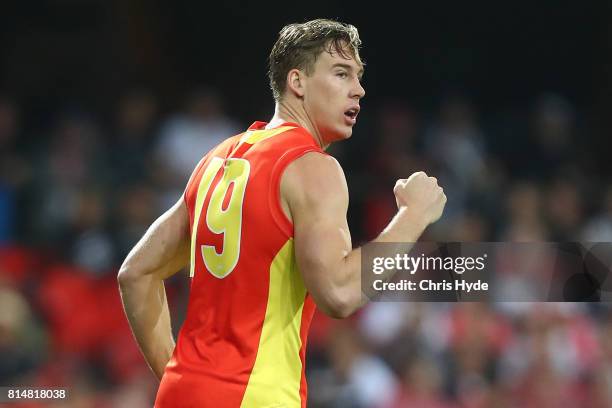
(317, 195)
(164, 248)
(321, 244)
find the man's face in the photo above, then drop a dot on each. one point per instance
(332, 93)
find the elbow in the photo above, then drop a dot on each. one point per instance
(339, 306)
(125, 276)
(339, 313)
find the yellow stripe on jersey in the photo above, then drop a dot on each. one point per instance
(254, 136)
(275, 379)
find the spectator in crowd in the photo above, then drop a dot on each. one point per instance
(455, 143)
(599, 227)
(186, 137)
(394, 155)
(133, 137)
(75, 160)
(22, 342)
(356, 378)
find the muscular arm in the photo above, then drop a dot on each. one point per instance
(315, 194)
(160, 253)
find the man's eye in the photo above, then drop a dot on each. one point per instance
(342, 74)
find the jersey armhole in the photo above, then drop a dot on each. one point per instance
(276, 208)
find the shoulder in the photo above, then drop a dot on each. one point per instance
(313, 179)
(311, 164)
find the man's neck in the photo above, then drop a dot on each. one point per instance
(285, 112)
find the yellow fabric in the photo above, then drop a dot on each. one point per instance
(227, 222)
(276, 376)
(254, 136)
(205, 181)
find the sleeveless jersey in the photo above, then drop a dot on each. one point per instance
(244, 337)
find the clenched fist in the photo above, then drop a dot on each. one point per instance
(422, 195)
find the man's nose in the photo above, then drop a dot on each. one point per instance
(358, 91)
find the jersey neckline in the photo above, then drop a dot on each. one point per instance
(260, 125)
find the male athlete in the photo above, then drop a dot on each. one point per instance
(262, 225)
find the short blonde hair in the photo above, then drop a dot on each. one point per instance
(299, 45)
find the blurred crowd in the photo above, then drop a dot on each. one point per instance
(77, 193)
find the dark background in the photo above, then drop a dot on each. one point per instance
(501, 53)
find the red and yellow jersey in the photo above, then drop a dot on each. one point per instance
(244, 337)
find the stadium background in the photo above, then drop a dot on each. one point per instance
(105, 106)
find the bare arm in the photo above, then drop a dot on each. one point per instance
(160, 253)
(316, 196)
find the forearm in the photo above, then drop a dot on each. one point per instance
(146, 307)
(403, 230)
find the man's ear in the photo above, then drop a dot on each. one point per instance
(295, 82)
